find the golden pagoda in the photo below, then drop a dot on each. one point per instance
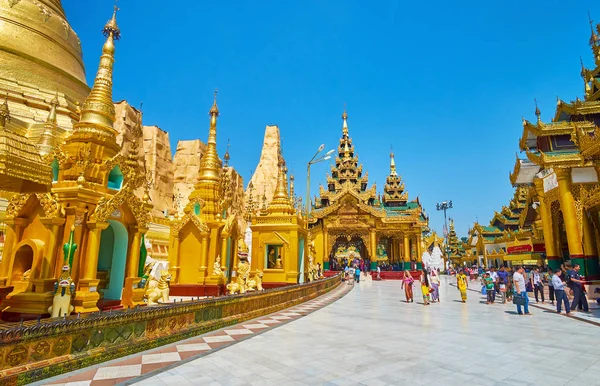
(455, 250)
(21, 167)
(279, 237)
(42, 61)
(93, 191)
(206, 237)
(562, 165)
(349, 221)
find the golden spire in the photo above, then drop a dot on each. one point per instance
(345, 123)
(227, 157)
(46, 142)
(281, 202)
(537, 111)
(210, 165)
(98, 109)
(4, 113)
(594, 41)
(392, 163)
(586, 81)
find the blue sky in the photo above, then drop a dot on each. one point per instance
(445, 84)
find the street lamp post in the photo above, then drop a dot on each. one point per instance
(445, 205)
(315, 159)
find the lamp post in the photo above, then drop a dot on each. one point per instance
(445, 205)
(315, 159)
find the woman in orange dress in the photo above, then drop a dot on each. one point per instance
(407, 284)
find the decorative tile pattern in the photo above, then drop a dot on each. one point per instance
(33, 351)
(127, 369)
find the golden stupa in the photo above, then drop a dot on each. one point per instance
(41, 59)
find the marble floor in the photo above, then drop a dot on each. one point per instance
(371, 337)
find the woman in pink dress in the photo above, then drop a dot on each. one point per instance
(407, 284)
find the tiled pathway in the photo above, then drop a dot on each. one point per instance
(372, 337)
(126, 369)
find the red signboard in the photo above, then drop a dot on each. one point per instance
(518, 249)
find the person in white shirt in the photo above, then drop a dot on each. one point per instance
(537, 284)
(519, 281)
(559, 291)
(494, 276)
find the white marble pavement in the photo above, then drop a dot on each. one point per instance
(371, 337)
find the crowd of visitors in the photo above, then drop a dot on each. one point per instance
(515, 283)
(430, 285)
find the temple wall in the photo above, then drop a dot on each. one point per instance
(79, 342)
(186, 166)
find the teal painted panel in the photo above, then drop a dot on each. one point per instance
(118, 261)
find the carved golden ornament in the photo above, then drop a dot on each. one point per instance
(47, 201)
(57, 154)
(587, 137)
(106, 207)
(229, 224)
(16, 203)
(189, 217)
(551, 196)
(226, 191)
(189, 208)
(49, 204)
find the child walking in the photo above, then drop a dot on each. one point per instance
(489, 288)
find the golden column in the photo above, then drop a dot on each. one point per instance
(203, 259)
(373, 251)
(407, 264)
(223, 253)
(554, 260)
(87, 294)
(567, 205)
(325, 247)
(591, 268)
(419, 251)
(47, 276)
(174, 259)
(132, 295)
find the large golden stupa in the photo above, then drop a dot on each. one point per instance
(40, 57)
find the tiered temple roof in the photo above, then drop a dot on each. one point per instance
(347, 177)
(572, 138)
(346, 173)
(393, 191)
(455, 245)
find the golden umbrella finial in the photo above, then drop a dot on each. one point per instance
(214, 110)
(111, 25)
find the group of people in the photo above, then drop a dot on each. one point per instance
(515, 284)
(353, 273)
(430, 286)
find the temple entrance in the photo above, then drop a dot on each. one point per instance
(23, 263)
(112, 259)
(22, 268)
(348, 250)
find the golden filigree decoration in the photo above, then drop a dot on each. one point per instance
(47, 201)
(189, 217)
(226, 190)
(16, 203)
(106, 207)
